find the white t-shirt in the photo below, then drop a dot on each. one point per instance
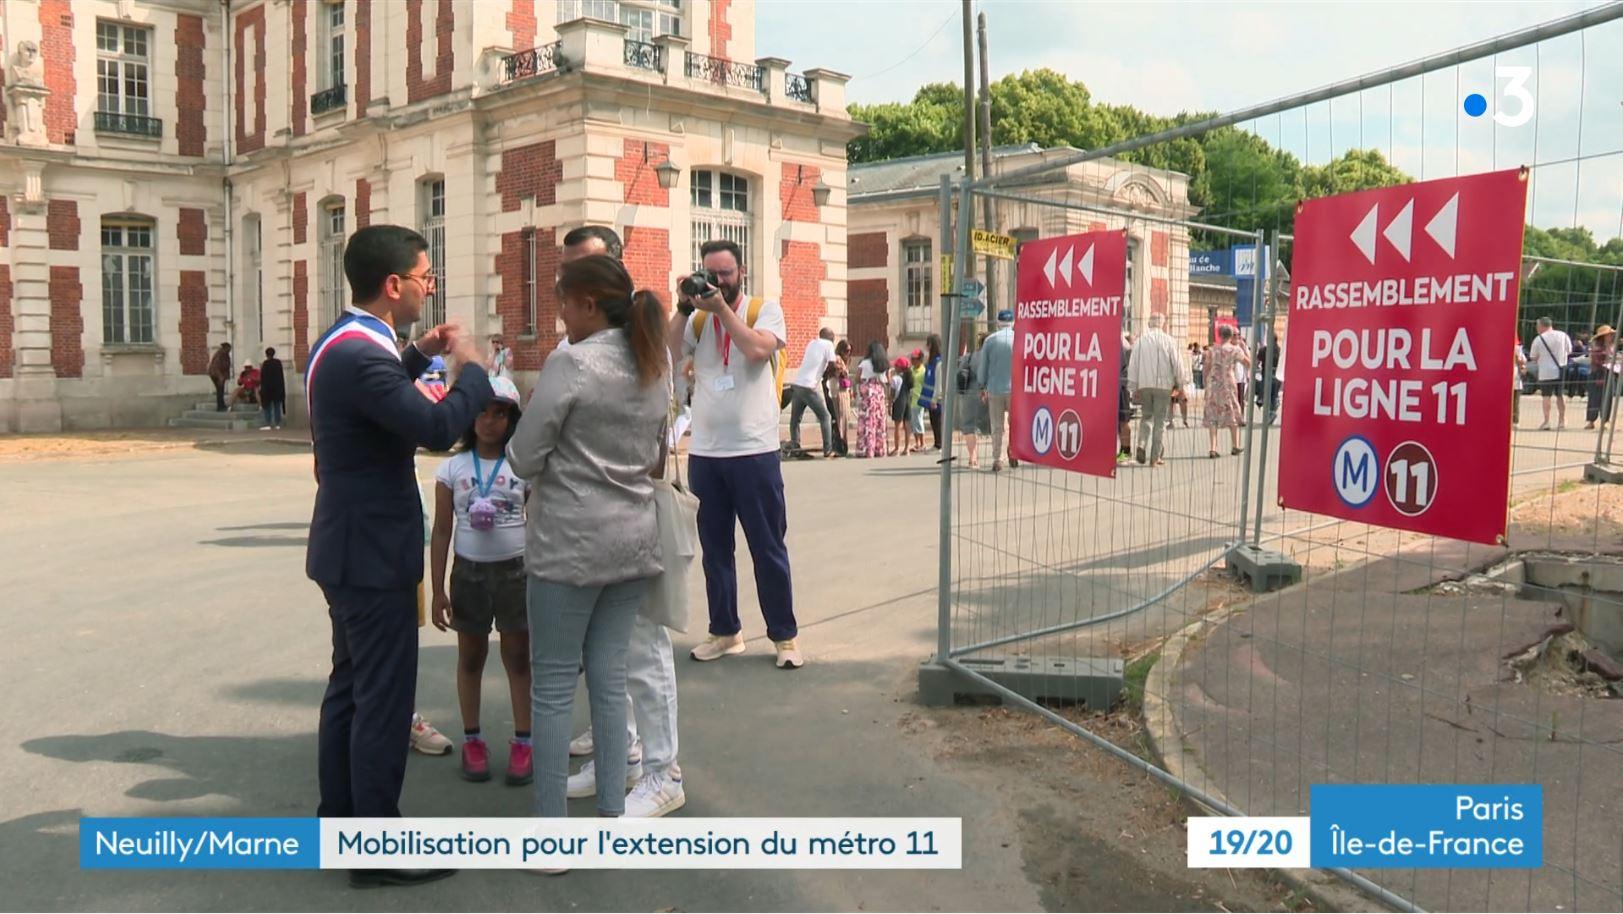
(819, 353)
(736, 417)
(507, 492)
(1550, 351)
(868, 372)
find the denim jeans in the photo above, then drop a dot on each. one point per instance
(271, 411)
(802, 399)
(651, 684)
(567, 624)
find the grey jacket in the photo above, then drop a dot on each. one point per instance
(588, 440)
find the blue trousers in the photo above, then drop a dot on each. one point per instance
(746, 491)
(366, 714)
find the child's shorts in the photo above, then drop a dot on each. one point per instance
(915, 418)
(486, 592)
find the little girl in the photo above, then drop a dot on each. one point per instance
(477, 493)
(901, 394)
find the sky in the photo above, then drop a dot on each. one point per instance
(1217, 56)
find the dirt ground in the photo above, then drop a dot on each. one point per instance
(121, 442)
(1089, 826)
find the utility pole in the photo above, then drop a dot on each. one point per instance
(964, 265)
(969, 97)
(990, 214)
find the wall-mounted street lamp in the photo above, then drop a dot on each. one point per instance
(666, 172)
(820, 191)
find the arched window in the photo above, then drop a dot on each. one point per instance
(333, 298)
(127, 252)
(721, 209)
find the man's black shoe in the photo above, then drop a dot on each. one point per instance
(372, 879)
(1139, 456)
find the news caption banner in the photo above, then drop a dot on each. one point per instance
(1398, 386)
(1384, 826)
(516, 843)
(1067, 351)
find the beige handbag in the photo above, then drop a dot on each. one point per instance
(677, 510)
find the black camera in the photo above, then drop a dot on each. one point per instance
(700, 284)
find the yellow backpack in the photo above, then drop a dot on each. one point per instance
(751, 316)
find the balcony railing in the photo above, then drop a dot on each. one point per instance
(726, 72)
(327, 99)
(645, 56)
(135, 124)
(533, 62)
(797, 87)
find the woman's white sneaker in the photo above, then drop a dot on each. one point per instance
(655, 795)
(583, 783)
(581, 745)
(716, 647)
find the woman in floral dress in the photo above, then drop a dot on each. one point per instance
(1222, 396)
(872, 401)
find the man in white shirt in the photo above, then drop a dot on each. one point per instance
(806, 390)
(1550, 351)
(1155, 370)
(733, 467)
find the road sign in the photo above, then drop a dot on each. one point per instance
(1402, 319)
(1067, 351)
(972, 288)
(992, 244)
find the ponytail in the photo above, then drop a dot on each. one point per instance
(645, 329)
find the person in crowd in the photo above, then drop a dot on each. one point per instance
(873, 400)
(219, 372)
(272, 391)
(901, 396)
(837, 397)
(1520, 357)
(1602, 365)
(915, 406)
(1155, 370)
(1549, 353)
(972, 403)
(482, 500)
(588, 445)
(366, 535)
(1124, 405)
(247, 389)
(501, 358)
(1222, 389)
(1197, 362)
(652, 773)
(994, 368)
(805, 391)
(734, 466)
(932, 387)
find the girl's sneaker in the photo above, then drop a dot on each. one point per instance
(426, 739)
(475, 760)
(520, 767)
(658, 794)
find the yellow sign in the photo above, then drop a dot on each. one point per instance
(992, 244)
(946, 270)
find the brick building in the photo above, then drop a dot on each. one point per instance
(178, 173)
(893, 253)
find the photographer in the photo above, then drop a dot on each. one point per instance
(735, 344)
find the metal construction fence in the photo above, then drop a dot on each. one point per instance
(1390, 657)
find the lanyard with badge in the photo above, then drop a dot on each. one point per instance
(724, 381)
(481, 510)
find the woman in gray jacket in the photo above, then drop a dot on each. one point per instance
(587, 444)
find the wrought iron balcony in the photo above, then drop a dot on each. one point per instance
(726, 72)
(327, 99)
(134, 124)
(534, 62)
(797, 87)
(645, 56)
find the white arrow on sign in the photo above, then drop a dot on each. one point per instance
(1048, 268)
(1364, 235)
(1085, 265)
(1401, 229)
(1441, 227)
(1065, 264)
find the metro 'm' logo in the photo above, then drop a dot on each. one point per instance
(1400, 231)
(1084, 265)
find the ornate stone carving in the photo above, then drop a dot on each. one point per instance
(26, 94)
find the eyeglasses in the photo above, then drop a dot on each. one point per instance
(427, 279)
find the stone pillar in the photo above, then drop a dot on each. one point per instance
(773, 70)
(676, 52)
(828, 90)
(34, 384)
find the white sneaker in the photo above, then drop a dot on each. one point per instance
(656, 795)
(583, 783)
(716, 647)
(581, 745)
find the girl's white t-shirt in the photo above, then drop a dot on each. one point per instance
(507, 492)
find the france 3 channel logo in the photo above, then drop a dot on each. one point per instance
(1519, 109)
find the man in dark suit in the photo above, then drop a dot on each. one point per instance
(367, 420)
(272, 391)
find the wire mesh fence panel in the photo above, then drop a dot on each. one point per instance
(1392, 656)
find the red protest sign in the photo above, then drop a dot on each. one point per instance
(1397, 390)
(1067, 351)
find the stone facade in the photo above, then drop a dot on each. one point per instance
(489, 125)
(893, 224)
